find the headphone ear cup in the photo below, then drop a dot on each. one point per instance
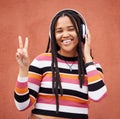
(83, 31)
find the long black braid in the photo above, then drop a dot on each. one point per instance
(56, 82)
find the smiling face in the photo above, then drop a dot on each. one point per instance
(66, 36)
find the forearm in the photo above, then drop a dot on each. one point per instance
(23, 72)
(88, 59)
(21, 94)
(96, 86)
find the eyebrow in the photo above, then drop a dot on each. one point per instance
(67, 27)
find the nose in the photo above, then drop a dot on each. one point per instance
(66, 34)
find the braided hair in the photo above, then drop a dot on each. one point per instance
(77, 21)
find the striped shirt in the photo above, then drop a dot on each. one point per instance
(37, 88)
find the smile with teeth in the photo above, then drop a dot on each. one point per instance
(68, 41)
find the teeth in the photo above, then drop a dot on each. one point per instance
(66, 41)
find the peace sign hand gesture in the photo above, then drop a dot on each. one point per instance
(22, 57)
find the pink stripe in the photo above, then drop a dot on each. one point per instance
(71, 103)
(32, 80)
(21, 85)
(62, 102)
(73, 81)
(45, 57)
(65, 80)
(92, 73)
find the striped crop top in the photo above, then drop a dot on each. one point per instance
(37, 88)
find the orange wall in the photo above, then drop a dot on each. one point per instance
(31, 18)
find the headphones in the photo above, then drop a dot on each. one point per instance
(83, 25)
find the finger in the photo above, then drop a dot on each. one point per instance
(20, 42)
(19, 53)
(18, 57)
(26, 43)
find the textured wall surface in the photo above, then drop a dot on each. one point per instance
(31, 18)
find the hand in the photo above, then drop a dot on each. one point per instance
(87, 48)
(22, 54)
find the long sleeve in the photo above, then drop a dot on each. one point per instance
(96, 86)
(27, 88)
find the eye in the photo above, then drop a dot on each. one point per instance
(71, 28)
(58, 31)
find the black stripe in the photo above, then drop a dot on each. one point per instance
(61, 70)
(33, 93)
(67, 58)
(96, 86)
(68, 71)
(99, 69)
(21, 98)
(66, 92)
(60, 114)
(35, 69)
(88, 64)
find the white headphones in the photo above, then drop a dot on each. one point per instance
(84, 25)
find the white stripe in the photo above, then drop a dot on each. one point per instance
(90, 68)
(69, 109)
(22, 105)
(98, 65)
(45, 63)
(41, 64)
(33, 86)
(66, 66)
(96, 95)
(68, 86)
(22, 79)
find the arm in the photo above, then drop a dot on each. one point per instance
(24, 94)
(27, 88)
(96, 86)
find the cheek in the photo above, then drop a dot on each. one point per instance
(58, 36)
(57, 39)
(76, 37)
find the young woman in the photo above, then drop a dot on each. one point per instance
(61, 81)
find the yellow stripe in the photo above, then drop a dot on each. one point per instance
(21, 91)
(67, 98)
(36, 76)
(94, 78)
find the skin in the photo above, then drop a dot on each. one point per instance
(64, 31)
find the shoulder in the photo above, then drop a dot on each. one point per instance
(44, 56)
(41, 60)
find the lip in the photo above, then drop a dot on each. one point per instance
(67, 41)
